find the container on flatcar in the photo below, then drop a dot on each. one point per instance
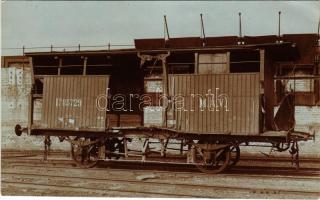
(73, 103)
(216, 103)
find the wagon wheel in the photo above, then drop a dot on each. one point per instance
(212, 161)
(234, 155)
(84, 152)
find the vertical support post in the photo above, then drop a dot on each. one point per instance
(145, 149)
(262, 59)
(196, 63)
(165, 90)
(181, 147)
(30, 99)
(45, 152)
(23, 49)
(32, 70)
(166, 27)
(60, 66)
(125, 147)
(162, 149)
(85, 65)
(191, 154)
(47, 144)
(102, 151)
(240, 29)
(279, 25)
(164, 86)
(228, 62)
(30, 112)
(261, 99)
(319, 32)
(202, 31)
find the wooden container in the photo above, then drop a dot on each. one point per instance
(216, 103)
(70, 102)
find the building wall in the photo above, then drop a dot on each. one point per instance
(15, 90)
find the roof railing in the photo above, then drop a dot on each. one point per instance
(78, 47)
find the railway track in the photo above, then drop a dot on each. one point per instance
(310, 175)
(26, 174)
(128, 185)
(173, 167)
(37, 153)
(178, 171)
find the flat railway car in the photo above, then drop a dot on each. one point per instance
(204, 95)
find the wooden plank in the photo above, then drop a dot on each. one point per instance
(187, 103)
(230, 104)
(226, 112)
(202, 102)
(238, 104)
(85, 102)
(257, 106)
(192, 104)
(209, 108)
(234, 104)
(44, 113)
(90, 103)
(251, 103)
(196, 101)
(183, 92)
(50, 108)
(242, 104)
(209, 98)
(176, 91)
(95, 111)
(247, 104)
(59, 119)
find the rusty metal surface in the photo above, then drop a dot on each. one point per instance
(260, 39)
(156, 43)
(123, 120)
(306, 44)
(7, 61)
(69, 102)
(234, 108)
(185, 42)
(221, 41)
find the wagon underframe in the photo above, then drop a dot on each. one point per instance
(211, 153)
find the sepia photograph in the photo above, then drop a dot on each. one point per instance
(160, 99)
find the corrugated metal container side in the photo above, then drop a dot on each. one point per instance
(69, 102)
(232, 106)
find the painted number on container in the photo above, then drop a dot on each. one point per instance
(61, 102)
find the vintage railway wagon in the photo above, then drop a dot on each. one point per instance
(204, 96)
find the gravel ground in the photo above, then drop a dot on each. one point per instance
(42, 179)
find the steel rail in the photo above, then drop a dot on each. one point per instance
(165, 184)
(231, 173)
(186, 169)
(15, 183)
